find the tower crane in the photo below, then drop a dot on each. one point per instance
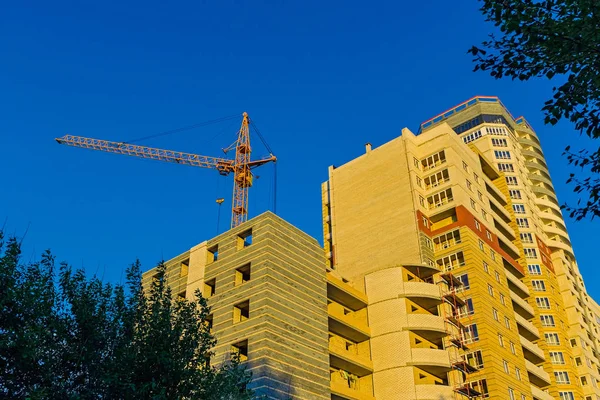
(241, 166)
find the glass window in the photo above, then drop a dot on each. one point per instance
(552, 339)
(543, 303)
(538, 285)
(534, 269)
(547, 320)
(557, 357)
(562, 377)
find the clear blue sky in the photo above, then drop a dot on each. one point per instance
(319, 79)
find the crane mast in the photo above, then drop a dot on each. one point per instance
(240, 167)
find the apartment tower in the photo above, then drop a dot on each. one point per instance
(456, 237)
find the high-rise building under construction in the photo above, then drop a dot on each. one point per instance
(448, 273)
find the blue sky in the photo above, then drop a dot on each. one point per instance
(319, 79)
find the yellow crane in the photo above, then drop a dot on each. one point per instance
(241, 166)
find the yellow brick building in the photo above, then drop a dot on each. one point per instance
(456, 232)
(446, 273)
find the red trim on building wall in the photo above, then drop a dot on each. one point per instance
(465, 218)
(545, 254)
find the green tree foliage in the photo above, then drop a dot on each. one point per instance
(64, 336)
(548, 38)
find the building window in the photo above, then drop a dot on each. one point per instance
(500, 340)
(488, 234)
(469, 185)
(491, 290)
(499, 142)
(437, 179)
(534, 269)
(515, 194)
(495, 313)
(422, 201)
(481, 245)
(530, 253)
(476, 177)
(502, 299)
(518, 373)
(538, 285)
(467, 309)
(506, 167)
(507, 322)
(479, 196)
(522, 222)
(547, 320)
(242, 275)
(512, 348)
(419, 182)
(519, 208)
(241, 350)
(473, 205)
(512, 181)
(464, 278)
(447, 240)
(481, 387)
(566, 395)
(493, 254)
(486, 267)
(502, 154)
(506, 367)
(543, 303)
(557, 357)
(241, 311)
(562, 377)
(472, 136)
(209, 287)
(497, 275)
(416, 163)
(433, 160)
(552, 339)
(477, 225)
(439, 199)
(451, 261)
(471, 333)
(212, 254)
(244, 239)
(465, 166)
(474, 359)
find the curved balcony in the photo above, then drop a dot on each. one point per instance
(433, 392)
(504, 229)
(540, 178)
(555, 244)
(499, 209)
(434, 361)
(540, 202)
(532, 153)
(537, 166)
(530, 142)
(426, 295)
(531, 351)
(555, 230)
(543, 190)
(553, 217)
(527, 329)
(537, 375)
(430, 327)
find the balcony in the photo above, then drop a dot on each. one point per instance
(345, 324)
(521, 306)
(527, 329)
(539, 394)
(341, 390)
(352, 361)
(430, 327)
(343, 293)
(433, 392)
(516, 285)
(531, 351)
(537, 375)
(505, 229)
(424, 294)
(434, 361)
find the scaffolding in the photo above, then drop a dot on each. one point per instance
(453, 311)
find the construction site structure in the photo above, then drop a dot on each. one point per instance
(446, 273)
(240, 167)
